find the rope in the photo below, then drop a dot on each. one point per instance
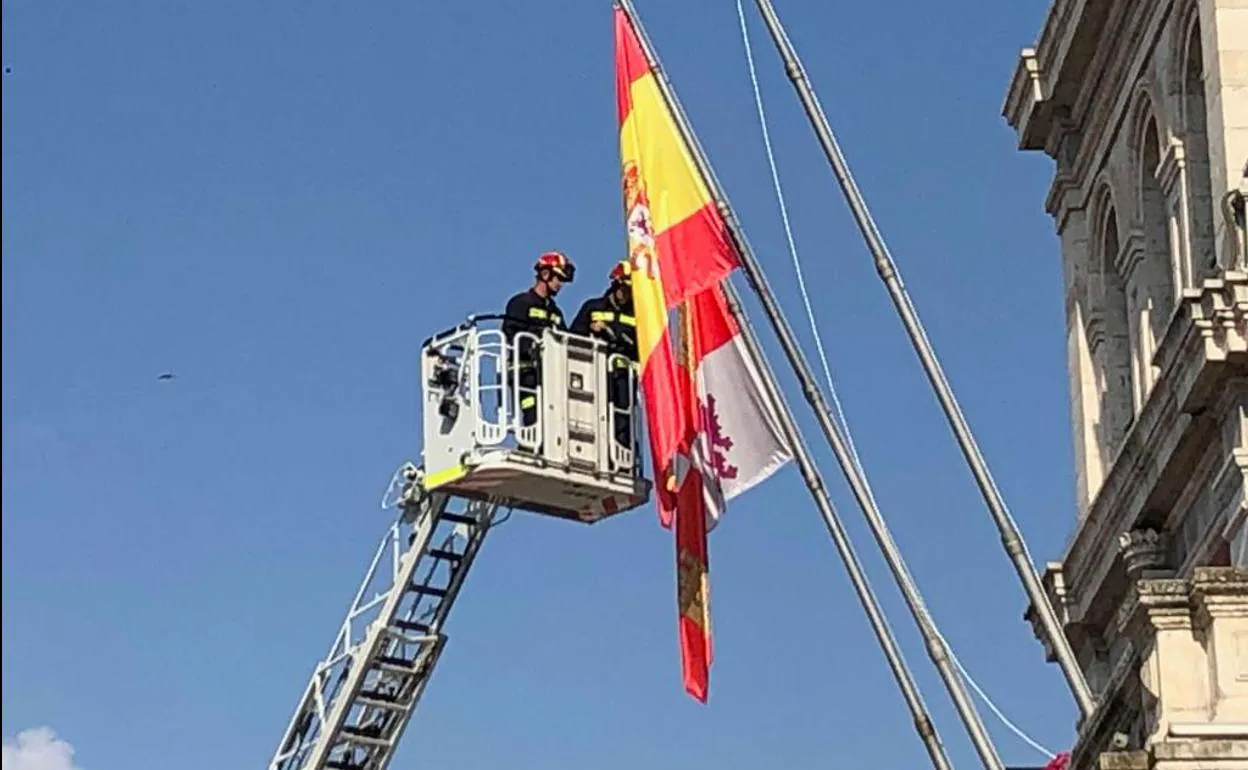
(838, 412)
(386, 502)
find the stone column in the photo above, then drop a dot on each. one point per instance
(1220, 615)
(1156, 616)
(1224, 32)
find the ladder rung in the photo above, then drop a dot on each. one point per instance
(412, 625)
(388, 705)
(395, 664)
(428, 590)
(380, 697)
(459, 518)
(440, 553)
(355, 735)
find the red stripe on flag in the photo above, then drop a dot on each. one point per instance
(630, 62)
(692, 583)
(669, 424)
(713, 323)
(694, 255)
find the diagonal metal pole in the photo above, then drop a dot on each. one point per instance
(810, 474)
(840, 537)
(1010, 536)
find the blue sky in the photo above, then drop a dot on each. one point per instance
(278, 201)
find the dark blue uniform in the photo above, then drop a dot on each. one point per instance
(620, 334)
(530, 312)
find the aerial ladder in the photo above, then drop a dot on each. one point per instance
(479, 458)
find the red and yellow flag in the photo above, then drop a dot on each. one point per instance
(693, 588)
(678, 243)
(693, 577)
(681, 249)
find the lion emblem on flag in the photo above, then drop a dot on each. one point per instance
(720, 444)
(641, 240)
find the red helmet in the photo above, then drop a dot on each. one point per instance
(622, 273)
(558, 263)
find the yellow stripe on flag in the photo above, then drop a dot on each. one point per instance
(651, 139)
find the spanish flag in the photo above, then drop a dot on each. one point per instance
(678, 243)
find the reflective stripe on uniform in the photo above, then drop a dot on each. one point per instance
(543, 314)
(528, 401)
(628, 320)
(606, 316)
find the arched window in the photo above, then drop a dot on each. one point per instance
(1108, 339)
(1201, 250)
(1151, 278)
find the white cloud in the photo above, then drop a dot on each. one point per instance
(37, 749)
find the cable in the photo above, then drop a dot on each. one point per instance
(838, 412)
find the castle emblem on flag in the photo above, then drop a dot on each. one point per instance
(641, 238)
(691, 598)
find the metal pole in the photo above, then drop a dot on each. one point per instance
(1010, 536)
(935, 644)
(810, 474)
(862, 587)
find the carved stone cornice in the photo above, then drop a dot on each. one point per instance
(1160, 604)
(1219, 592)
(1054, 584)
(1026, 94)
(1124, 760)
(1044, 74)
(1221, 315)
(1080, 71)
(1208, 330)
(1217, 314)
(1145, 554)
(1228, 753)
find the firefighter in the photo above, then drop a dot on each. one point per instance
(610, 318)
(533, 311)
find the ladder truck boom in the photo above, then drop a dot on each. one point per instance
(479, 457)
(362, 694)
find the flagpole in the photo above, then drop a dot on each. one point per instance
(1010, 535)
(937, 650)
(810, 474)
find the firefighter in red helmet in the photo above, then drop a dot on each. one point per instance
(610, 316)
(532, 311)
(610, 319)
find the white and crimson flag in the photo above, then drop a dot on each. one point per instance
(737, 442)
(739, 439)
(713, 431)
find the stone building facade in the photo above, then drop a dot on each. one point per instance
(1143, 106)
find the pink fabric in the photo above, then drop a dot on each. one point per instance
(1059, 762)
